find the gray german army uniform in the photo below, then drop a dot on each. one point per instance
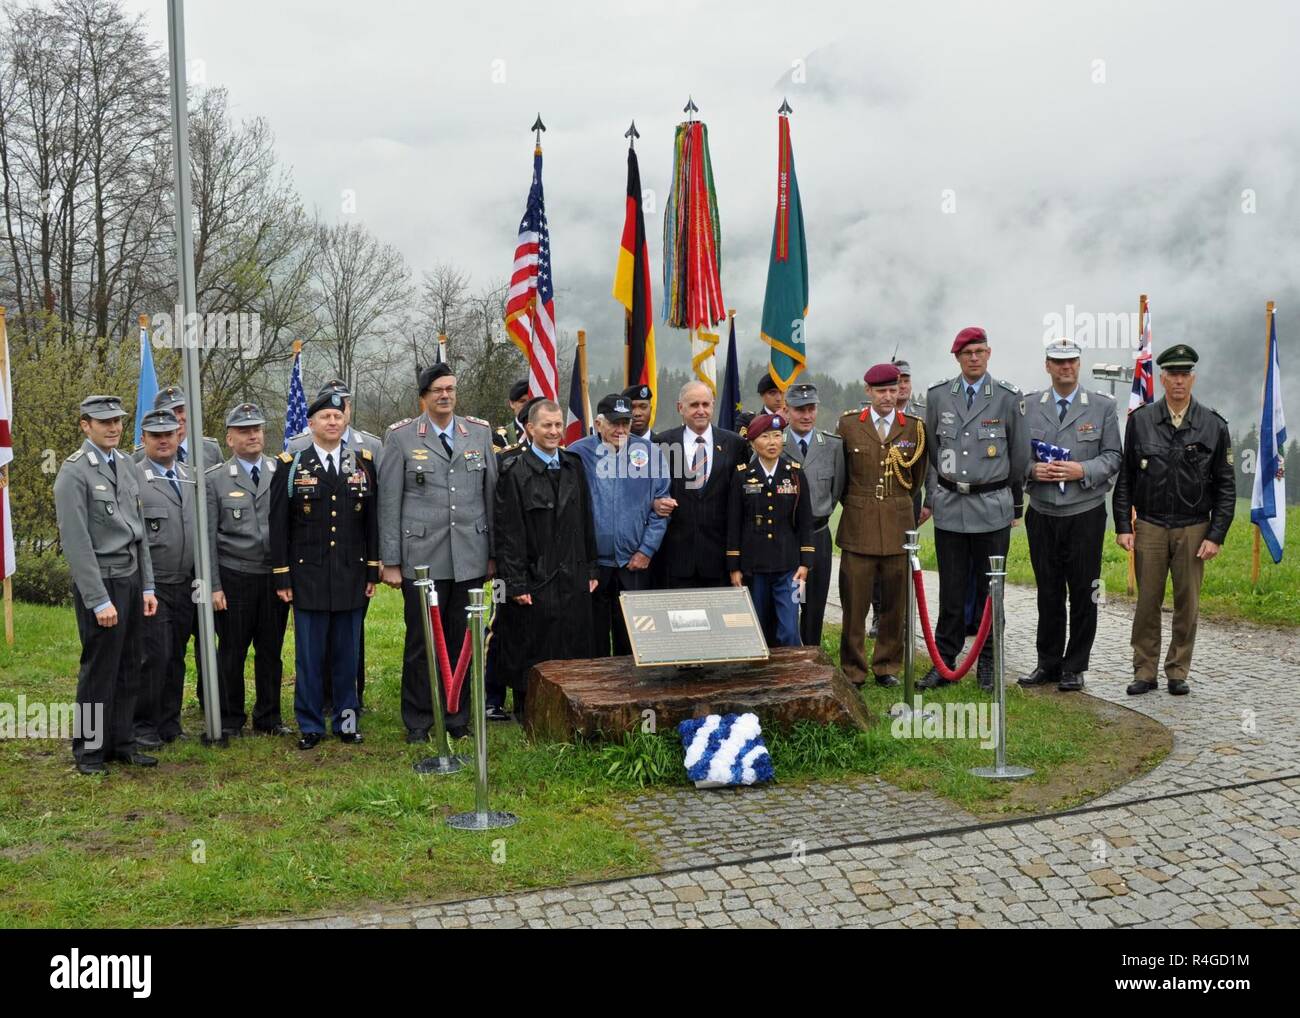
(101, 534)
(239, 531)
(974, 478)
(169, 528)
(1067, 529)
(435, 509)
(824, 472)
(169, 398)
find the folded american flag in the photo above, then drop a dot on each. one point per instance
(1045, 452)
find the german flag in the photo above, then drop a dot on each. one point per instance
(632, 290)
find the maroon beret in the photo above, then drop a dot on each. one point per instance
(764, 422)
(967, 336)
(882, 374)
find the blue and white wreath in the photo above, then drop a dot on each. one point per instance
(725, 749)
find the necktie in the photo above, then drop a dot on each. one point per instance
(330, 469)
(970, 396)
(171, 476)
(257, 476)
(803, 447)
(1064, 404)
(553, 464)
(112, 465)
(446, 442)
(882, 429)
(700, 460)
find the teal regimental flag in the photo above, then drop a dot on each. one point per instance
(785, 305)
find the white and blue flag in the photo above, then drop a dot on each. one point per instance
(1268, 500)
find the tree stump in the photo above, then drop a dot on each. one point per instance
(605, 697)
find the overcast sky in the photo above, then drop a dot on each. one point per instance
(1094, 151)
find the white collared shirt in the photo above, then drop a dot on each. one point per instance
(876, 419)
(325, 457)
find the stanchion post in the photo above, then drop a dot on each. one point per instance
(482, 819)
(911, 545)
(444, 762)
(1000, 770)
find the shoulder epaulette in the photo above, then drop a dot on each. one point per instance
(479, 421)
(75, 456)
(402, 423)
(1218, 415)
(831, 434)
(215, 467)
(367, 454)
(847, 413)
(1108, 395)
(942, 381)
(1007, 385)
(285, 457)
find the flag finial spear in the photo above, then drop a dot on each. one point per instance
(632, 134)
(538, 127)
(785, 109)
(690, 109)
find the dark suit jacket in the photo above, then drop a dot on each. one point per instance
(696, 541)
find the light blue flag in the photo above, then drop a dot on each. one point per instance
(1268, 498)
(148, 387)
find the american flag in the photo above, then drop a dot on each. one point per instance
(1144, 382)
(295, 414)
(1046, 452)
(530, 306)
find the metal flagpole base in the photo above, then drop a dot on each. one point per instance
(1006, 773)
(488, 821)
(439, 765)
(902, 710)
(221, 742)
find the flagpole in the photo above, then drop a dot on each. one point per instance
(1131, 586)
(1269, 308)
(4, 474)
(582, 373)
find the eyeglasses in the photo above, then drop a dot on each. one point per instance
(443, 390)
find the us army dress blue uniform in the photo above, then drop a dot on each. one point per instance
(167, 499)
(239, 529)
(101, 533)
(1066, 521)
(769, 535)
(820, 454)
(325, 549)
(979, 450)
(436, 509)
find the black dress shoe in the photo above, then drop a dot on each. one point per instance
(457, 731)
(886, 680)
(1139, 686)
(281, 729)
(495, 713)
(233, 733)
(351, 738)
(1179, 687)
(1071, 682)
(97, 770)
(178, 736)
(984, 673)
(148, 741)
(137, 759)
(932, 680)
(310, 740)
(417, 735)
(1039, 677)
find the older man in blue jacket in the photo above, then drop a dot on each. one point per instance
(625, 473)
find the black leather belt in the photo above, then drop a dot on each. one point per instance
(972, 489)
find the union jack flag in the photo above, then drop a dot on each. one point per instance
(1144, 381)
(530, 306)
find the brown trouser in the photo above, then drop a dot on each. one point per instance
(857, 577)
(1158, 552)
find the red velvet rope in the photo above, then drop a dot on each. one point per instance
(453, 682)
(986, 625)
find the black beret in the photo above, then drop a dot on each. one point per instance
(766, 383)
(639, 391)
(519, 390)
(328, 400)
(432, 373)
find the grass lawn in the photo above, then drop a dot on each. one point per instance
(1226, 593)
(260, 829)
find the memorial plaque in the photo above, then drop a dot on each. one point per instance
(692, 627)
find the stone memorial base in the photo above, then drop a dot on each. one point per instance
(605, 697)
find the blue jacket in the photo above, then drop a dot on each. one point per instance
(623, 488)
